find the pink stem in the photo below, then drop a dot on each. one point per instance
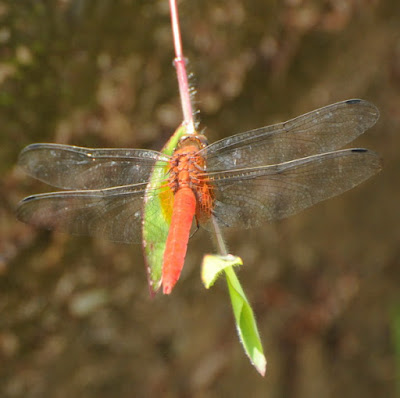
(181, 73)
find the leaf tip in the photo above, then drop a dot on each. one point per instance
(259, 362)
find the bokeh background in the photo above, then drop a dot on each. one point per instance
(76, 319)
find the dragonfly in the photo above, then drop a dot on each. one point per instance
(241, 181)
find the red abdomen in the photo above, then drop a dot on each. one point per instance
(178, 237)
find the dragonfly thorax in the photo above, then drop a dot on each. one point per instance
(187, 171)
(186, 168)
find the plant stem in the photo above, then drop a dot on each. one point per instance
(218, 238)
(180, 65)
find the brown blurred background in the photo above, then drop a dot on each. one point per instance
(76, 319)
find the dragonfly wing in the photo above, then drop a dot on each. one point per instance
(319, 131)
(114, 213)
(249, 197)
(72, 167)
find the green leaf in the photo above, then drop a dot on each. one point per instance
(157, 216)
(246, 325)
(245, 322)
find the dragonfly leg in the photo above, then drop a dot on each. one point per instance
(197, 228)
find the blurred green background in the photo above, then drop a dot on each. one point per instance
(76, 319)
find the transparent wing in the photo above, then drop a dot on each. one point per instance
(319, 131)
(114, 213)
(72, 167)
(249, 197)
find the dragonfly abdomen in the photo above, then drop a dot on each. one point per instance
(178, 237)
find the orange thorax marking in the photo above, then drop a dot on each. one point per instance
(187, 170)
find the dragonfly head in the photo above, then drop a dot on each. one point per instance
(198, 140)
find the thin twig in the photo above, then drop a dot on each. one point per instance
(180, 65)
(219, 240)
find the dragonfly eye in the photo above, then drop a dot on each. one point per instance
(203, 140)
